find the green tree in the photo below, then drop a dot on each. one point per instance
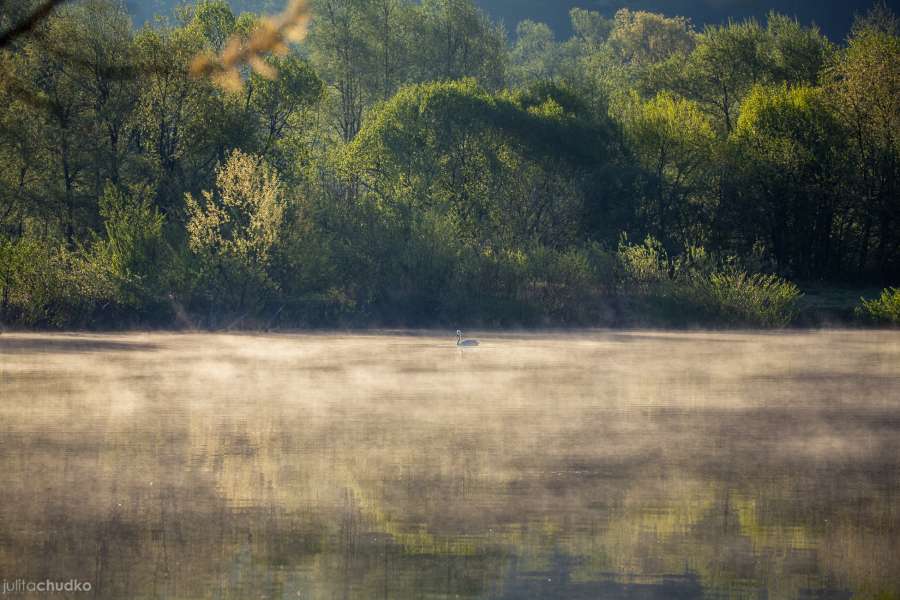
(535, 55)
(674, 142)
(727, 62)
(864, 83)
(234, 231)
(215, 21)
(61, 109)
(133, 248)
(184, 125)
(591, 29)
(455, 39)
(343, 54)
(281, 107)
(790, 149)
(507, 172)
(798, 53)
(640, 38)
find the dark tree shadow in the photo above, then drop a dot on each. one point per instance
(67, 345)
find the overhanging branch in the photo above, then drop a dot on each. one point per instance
(37, 15)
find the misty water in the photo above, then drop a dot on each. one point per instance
(394, 465)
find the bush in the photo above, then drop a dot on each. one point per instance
(559, 285)
(645, 267)
(234, 232)
(133, 249)
(739, 298)
(697, 287)
(883, 310)
(42, 283)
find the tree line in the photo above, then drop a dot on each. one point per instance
(413, 163)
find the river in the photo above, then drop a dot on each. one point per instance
(596, 464)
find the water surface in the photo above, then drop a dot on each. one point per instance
(596, 465)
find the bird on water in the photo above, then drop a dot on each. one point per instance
(464, 343)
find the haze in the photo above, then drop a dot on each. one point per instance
(595, 464)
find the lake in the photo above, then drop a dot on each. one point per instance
(600, 464)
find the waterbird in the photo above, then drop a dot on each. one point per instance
(464, 343)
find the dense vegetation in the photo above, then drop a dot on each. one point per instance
(412, 165)
(834, 18)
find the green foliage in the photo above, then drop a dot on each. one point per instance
(789, 149)
(133, 249)
(535, 56)
(234, 230)
(798, 54)
(506, 173)
(411, 165)
(728, 61)
(45, 285)
(672, 139)
(884, 310)
(695, 287)
(282, 109)
(460, 41)
(640, 38)
(645, 266)
(736, 297)
(864, 85)
(215, 21)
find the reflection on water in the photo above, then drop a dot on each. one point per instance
(602, 465)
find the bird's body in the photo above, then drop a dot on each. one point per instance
(464, 343)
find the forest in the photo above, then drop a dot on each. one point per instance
(416, 164)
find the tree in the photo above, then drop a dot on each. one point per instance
(674, 142)
(280, 104)
(726, 63)
(343, 54)
(26, 21)
(790, 148)
(641, 39)
(215, 22)
(455, 40)
(391, 25)
(798, 53)
(535, 55)
(234, 230)
(591, 29)
(101, 58)
(183, 124)
(21, 150)
(133, 248)
(507, 169)
(864, 82)
(62, 108)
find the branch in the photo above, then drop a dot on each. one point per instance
(39, 14)
(272, 34)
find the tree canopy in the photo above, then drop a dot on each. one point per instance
(416, 162)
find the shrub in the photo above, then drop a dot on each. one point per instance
(645, 267)
(696, 287)
(43, 283)
(737, 297)
(235, 230)
(884, 309)
(559, 285)
(133, 249)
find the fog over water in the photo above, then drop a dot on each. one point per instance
(394, 465)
